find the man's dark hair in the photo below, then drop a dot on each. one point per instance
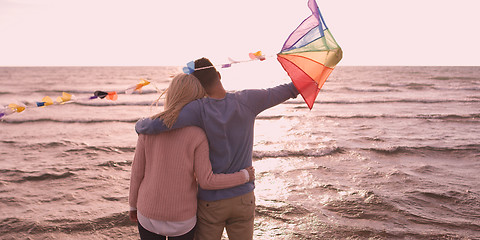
(207, 76)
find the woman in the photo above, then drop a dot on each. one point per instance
(167, 166)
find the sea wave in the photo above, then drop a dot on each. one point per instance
(280, 210)
(67, 147)
(386, 88)
(421, 101)
(475, 148)
(373, 206)
(475, 117)
(362, 204)
(350, 89)
(115, 164)
(14, 224)
(18, 176)
(461, 214)
(445, 78)
(86, 121)
(300, 153)
(72, 147)
(452, 117)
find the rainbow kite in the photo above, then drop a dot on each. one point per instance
(310, 54)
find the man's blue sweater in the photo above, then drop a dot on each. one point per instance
(228, 124)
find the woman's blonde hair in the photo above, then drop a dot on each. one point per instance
(183, 89)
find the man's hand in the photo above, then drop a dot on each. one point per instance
(251, 173)
(133, 216)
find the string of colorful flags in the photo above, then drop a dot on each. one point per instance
(68, 98)
(113, 95)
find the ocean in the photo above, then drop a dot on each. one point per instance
(385, 153)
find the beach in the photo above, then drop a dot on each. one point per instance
(385, 153)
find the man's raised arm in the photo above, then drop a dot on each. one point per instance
(261, 99)
(189, 116)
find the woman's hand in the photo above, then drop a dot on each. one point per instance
(133, 216)
(251, 173)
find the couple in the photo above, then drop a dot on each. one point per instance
(167, 166)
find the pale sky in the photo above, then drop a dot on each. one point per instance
(152, 33)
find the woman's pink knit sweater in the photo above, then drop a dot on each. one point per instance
(165, 169)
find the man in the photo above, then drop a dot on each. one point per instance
(228, 120)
